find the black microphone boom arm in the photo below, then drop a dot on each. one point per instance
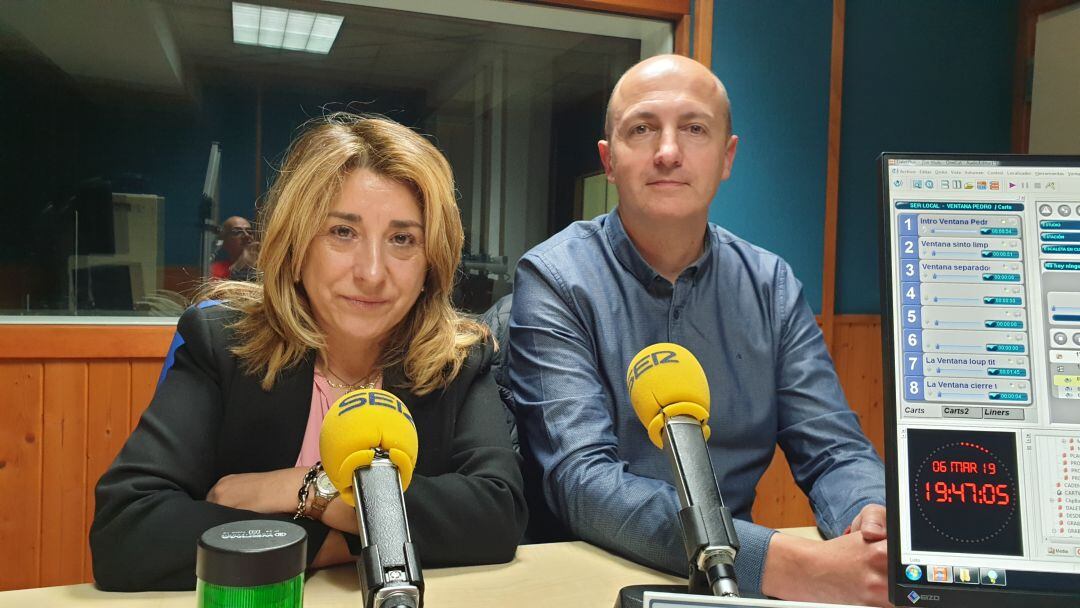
(708, 532)
(390, 575)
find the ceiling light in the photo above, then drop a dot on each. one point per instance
(280, 28)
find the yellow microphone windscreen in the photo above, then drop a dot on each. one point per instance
(665, 379)
(358, 423)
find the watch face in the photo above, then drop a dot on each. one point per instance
(323, 484)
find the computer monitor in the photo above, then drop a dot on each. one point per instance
(105, 287)
(92, 215)
(136, 224)
(981, 335)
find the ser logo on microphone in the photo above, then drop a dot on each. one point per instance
(375, 397)
(647, 362)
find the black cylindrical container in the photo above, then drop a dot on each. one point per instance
(255, 563)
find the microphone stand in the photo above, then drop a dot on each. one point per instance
(708, 532)
(390, 575)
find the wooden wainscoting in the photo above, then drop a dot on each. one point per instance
(857, 354)
(69, 397)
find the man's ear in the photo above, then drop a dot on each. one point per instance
(605, 158)
(729, 156)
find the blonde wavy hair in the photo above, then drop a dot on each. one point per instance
(277, 328)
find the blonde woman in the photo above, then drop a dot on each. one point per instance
(361, 239)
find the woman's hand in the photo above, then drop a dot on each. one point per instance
(270, 492)
(340, 516)
(275, 492)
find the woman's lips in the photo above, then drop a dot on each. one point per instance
(364, 302)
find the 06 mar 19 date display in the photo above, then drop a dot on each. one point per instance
(989, 493)
(963, 492)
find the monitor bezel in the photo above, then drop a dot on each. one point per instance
(898, 589)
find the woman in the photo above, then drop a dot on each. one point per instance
(362, 238)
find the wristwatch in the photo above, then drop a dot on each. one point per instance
(324, 493)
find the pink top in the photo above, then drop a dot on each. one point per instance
(322, 397)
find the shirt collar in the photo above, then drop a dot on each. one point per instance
(631, 259)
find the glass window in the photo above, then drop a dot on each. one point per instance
(142, 136)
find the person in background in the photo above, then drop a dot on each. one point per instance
(362, 239)
(655, 270)
(239, 248)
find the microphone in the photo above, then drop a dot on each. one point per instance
(368, 446)
(670, 395)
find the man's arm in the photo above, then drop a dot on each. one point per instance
(566, 412)
(833, 462)
(830, 456)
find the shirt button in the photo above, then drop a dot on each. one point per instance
(676, 314)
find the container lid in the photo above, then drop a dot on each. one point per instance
(252, 552)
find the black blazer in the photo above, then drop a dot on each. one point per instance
(209, 419)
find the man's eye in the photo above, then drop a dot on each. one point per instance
(639, 129)
(697, 129)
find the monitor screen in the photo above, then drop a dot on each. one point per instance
(981, 335)
(105, 287)
(92, 214)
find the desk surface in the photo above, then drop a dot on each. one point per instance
(556, 574)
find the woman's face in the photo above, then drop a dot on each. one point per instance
(366, 265)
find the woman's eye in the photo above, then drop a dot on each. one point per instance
(403, 239)
(342, 232)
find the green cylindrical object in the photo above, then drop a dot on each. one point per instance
(249, 564)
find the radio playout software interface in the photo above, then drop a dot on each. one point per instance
(981, 329)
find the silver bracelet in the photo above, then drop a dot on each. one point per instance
(305, 489)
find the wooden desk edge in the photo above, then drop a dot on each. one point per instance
(574, 565)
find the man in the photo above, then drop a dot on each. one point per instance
(240, 249)
(655, 270)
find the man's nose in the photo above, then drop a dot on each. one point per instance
(668, 150)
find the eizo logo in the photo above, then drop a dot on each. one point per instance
(914, 597)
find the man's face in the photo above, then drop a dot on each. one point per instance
(669, 146)
(235, 235)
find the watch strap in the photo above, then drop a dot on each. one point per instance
(321, 500)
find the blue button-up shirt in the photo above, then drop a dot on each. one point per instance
(585, 302)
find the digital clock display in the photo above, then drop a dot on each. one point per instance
(964, 492)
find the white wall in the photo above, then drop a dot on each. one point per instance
(1055, 103)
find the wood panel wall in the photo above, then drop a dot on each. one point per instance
(69, 397)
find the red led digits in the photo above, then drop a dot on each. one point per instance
(954, 489)
(967, 492)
